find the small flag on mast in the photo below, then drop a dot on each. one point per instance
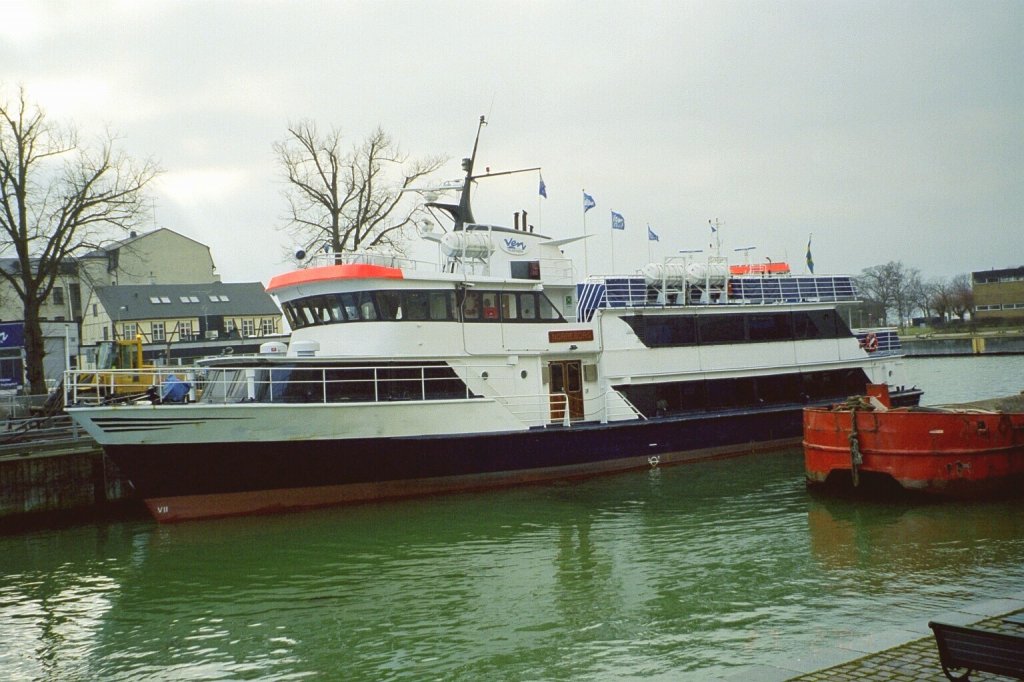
(651, 237)
(588, 202)
(618, 222)
(810, 261)
(543, 191)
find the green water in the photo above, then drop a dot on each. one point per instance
(681, 573)
(687, 572)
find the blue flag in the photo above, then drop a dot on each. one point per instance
(543, 188)
(618, 222)
(651, 237)
(810, 261)
(713, 228)
(588, 202)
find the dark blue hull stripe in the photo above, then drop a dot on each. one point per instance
(215, 468)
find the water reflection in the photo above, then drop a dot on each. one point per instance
(920, 536)
(684, 572)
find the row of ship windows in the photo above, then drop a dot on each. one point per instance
(416, 305)
(715, 394)
(686, 330)
(334, 384)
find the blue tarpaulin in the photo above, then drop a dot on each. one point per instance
(174, 390)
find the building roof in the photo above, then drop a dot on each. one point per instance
(161, 301)
(103, 250)
(995, 274)
(13, 266)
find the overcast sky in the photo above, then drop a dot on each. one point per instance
(889, 130)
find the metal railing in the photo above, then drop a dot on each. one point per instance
(634, 291)
(309, 384)
(365, 258)
(549, 409)
(879, 341)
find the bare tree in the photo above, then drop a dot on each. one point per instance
(56, 200)
(921, 297)
(891, 286)
(961, 296)
(349, 199)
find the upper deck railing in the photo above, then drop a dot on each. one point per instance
(635, 291)
(550, 270)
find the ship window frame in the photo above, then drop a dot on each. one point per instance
(422, 305)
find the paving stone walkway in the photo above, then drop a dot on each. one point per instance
(916, 661)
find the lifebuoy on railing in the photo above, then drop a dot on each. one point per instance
(870, 342)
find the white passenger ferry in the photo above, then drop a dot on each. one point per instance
(493, 367)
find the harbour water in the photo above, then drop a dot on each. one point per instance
(691, 572)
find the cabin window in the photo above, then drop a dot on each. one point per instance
(779, 389)
(297, 385)
(337, 312)
(548, 310)
(399, 383)
(769, 327)
(656, 331)
(528, 306)
(441, 383)
(319, 309)
(440, 305)
(471, 306)
(350, 305)
(490, 305)
(720, 328)
(350, 385)
(367, 311)
(819, 324)
(389, 305)
(525, 269)
(417, 305)
(509, 310)
(225, 386)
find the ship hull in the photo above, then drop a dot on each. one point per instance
(189, 480)
(949, 453)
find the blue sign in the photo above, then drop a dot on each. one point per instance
(12, 335)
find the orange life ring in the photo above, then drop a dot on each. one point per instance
(870, 342)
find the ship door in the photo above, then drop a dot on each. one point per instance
(566, 383)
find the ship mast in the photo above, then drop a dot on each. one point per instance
(462, 213)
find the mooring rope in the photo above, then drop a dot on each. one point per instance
(856, 459)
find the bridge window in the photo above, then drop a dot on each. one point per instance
(420, 305)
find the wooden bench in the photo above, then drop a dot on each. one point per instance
(973, 649)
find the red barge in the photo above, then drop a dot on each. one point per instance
(966, 450)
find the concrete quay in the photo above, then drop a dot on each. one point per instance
(996, 342)
(904, 655)
(54, 471)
